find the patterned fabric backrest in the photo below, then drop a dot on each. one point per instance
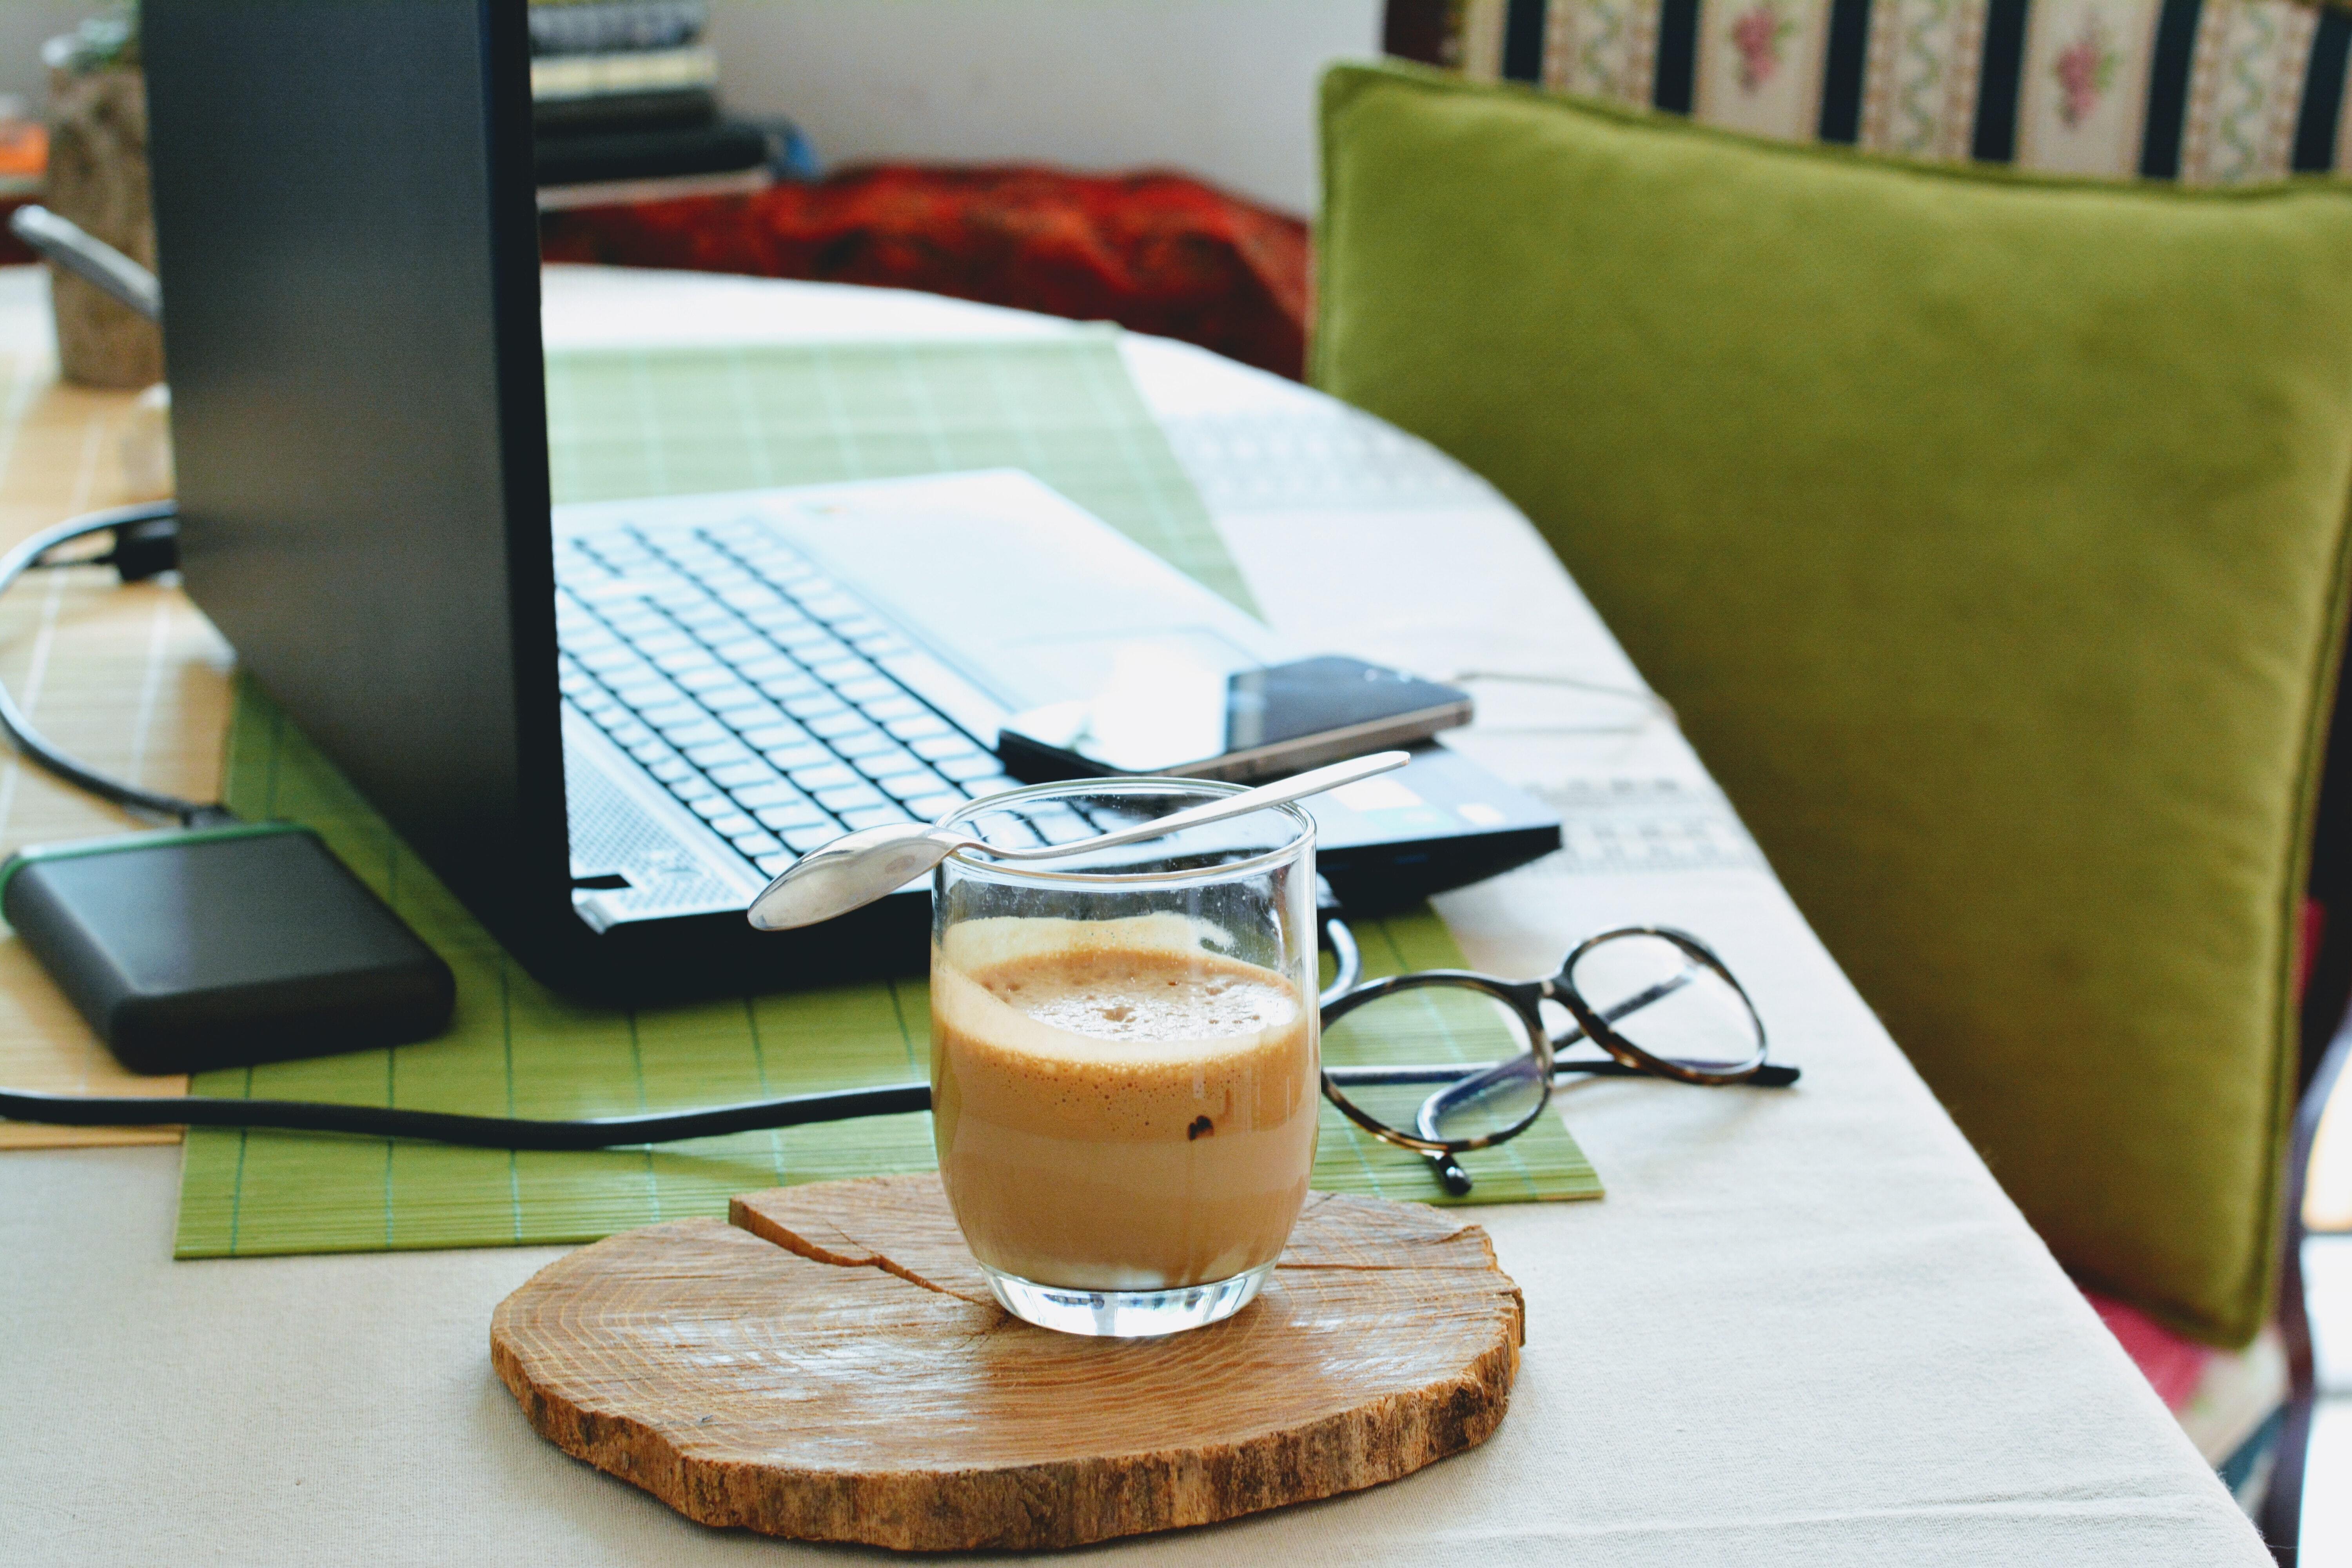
(2208, 91)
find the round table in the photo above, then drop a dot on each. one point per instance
(1803, 1326)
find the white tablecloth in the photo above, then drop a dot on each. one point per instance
(1805, 1327)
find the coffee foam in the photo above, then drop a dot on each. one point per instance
(1048, 988)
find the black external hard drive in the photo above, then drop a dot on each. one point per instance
(213, 947)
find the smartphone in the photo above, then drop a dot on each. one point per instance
(1163, 715)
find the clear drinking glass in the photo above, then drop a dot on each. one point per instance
(1125, 1067)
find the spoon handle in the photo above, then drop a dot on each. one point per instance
(1313, 781)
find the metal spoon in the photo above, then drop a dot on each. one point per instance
(859, 868)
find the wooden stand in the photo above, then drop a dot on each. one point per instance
(97, 178)
(830, 1366)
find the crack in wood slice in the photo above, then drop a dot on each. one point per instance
(830, 1366)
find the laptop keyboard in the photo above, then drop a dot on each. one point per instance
(755, 687)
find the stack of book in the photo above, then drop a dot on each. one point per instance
(625, 97)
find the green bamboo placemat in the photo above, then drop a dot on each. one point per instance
(515, 1048)
(650, 422)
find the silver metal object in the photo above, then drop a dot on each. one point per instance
(859, 868)
(90, 258)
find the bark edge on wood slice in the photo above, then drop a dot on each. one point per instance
(828, 1365)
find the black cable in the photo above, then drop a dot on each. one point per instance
(504, 1132)
(146, 541)
(473, 1131)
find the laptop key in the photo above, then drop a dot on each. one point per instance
(1060, 827)
(727, 698)
(850, 797)
(628, 731)
(894, 704)
(752, 798)
(669, 770)
(829, 775)
(881, 764)
(804, 839)
(734, 825)
(701, 730)
(867, 689)
(939, 748)
(814, 651)
(873, 753)
(783, 732)
(920, 725)
(710, 806)
(834, 672)
(912, 786)
(971, 764)
(792, 814)
(662, 715)
(814, 706)
(778, 618)
(806, 754)
(643, 694)
(686, 663)
(931, 807)
(612, 659)
(873, 816)
(718, 754)
(756, 715)
(807, 635)
(980, 789)
(1002, 827)
(785, 687)
(743, 652)
(742, 775)
(758, 844)
(839, 726)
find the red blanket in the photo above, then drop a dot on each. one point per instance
(1157, 253)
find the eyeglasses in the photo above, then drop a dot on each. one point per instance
(1444, 1061)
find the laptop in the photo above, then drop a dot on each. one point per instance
(604, 727)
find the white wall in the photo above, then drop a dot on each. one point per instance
(1220, 89)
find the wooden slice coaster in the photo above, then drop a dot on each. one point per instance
(829, 1365)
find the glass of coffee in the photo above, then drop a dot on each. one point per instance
(1125, 1075)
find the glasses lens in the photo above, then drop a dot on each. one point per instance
(1666, 1002)
(1440, 1062)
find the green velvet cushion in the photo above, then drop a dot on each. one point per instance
(1987, 532)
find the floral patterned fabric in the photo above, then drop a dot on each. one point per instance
(2208, 91)
(1157, 253)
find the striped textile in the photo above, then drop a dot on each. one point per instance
(2207, 91)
